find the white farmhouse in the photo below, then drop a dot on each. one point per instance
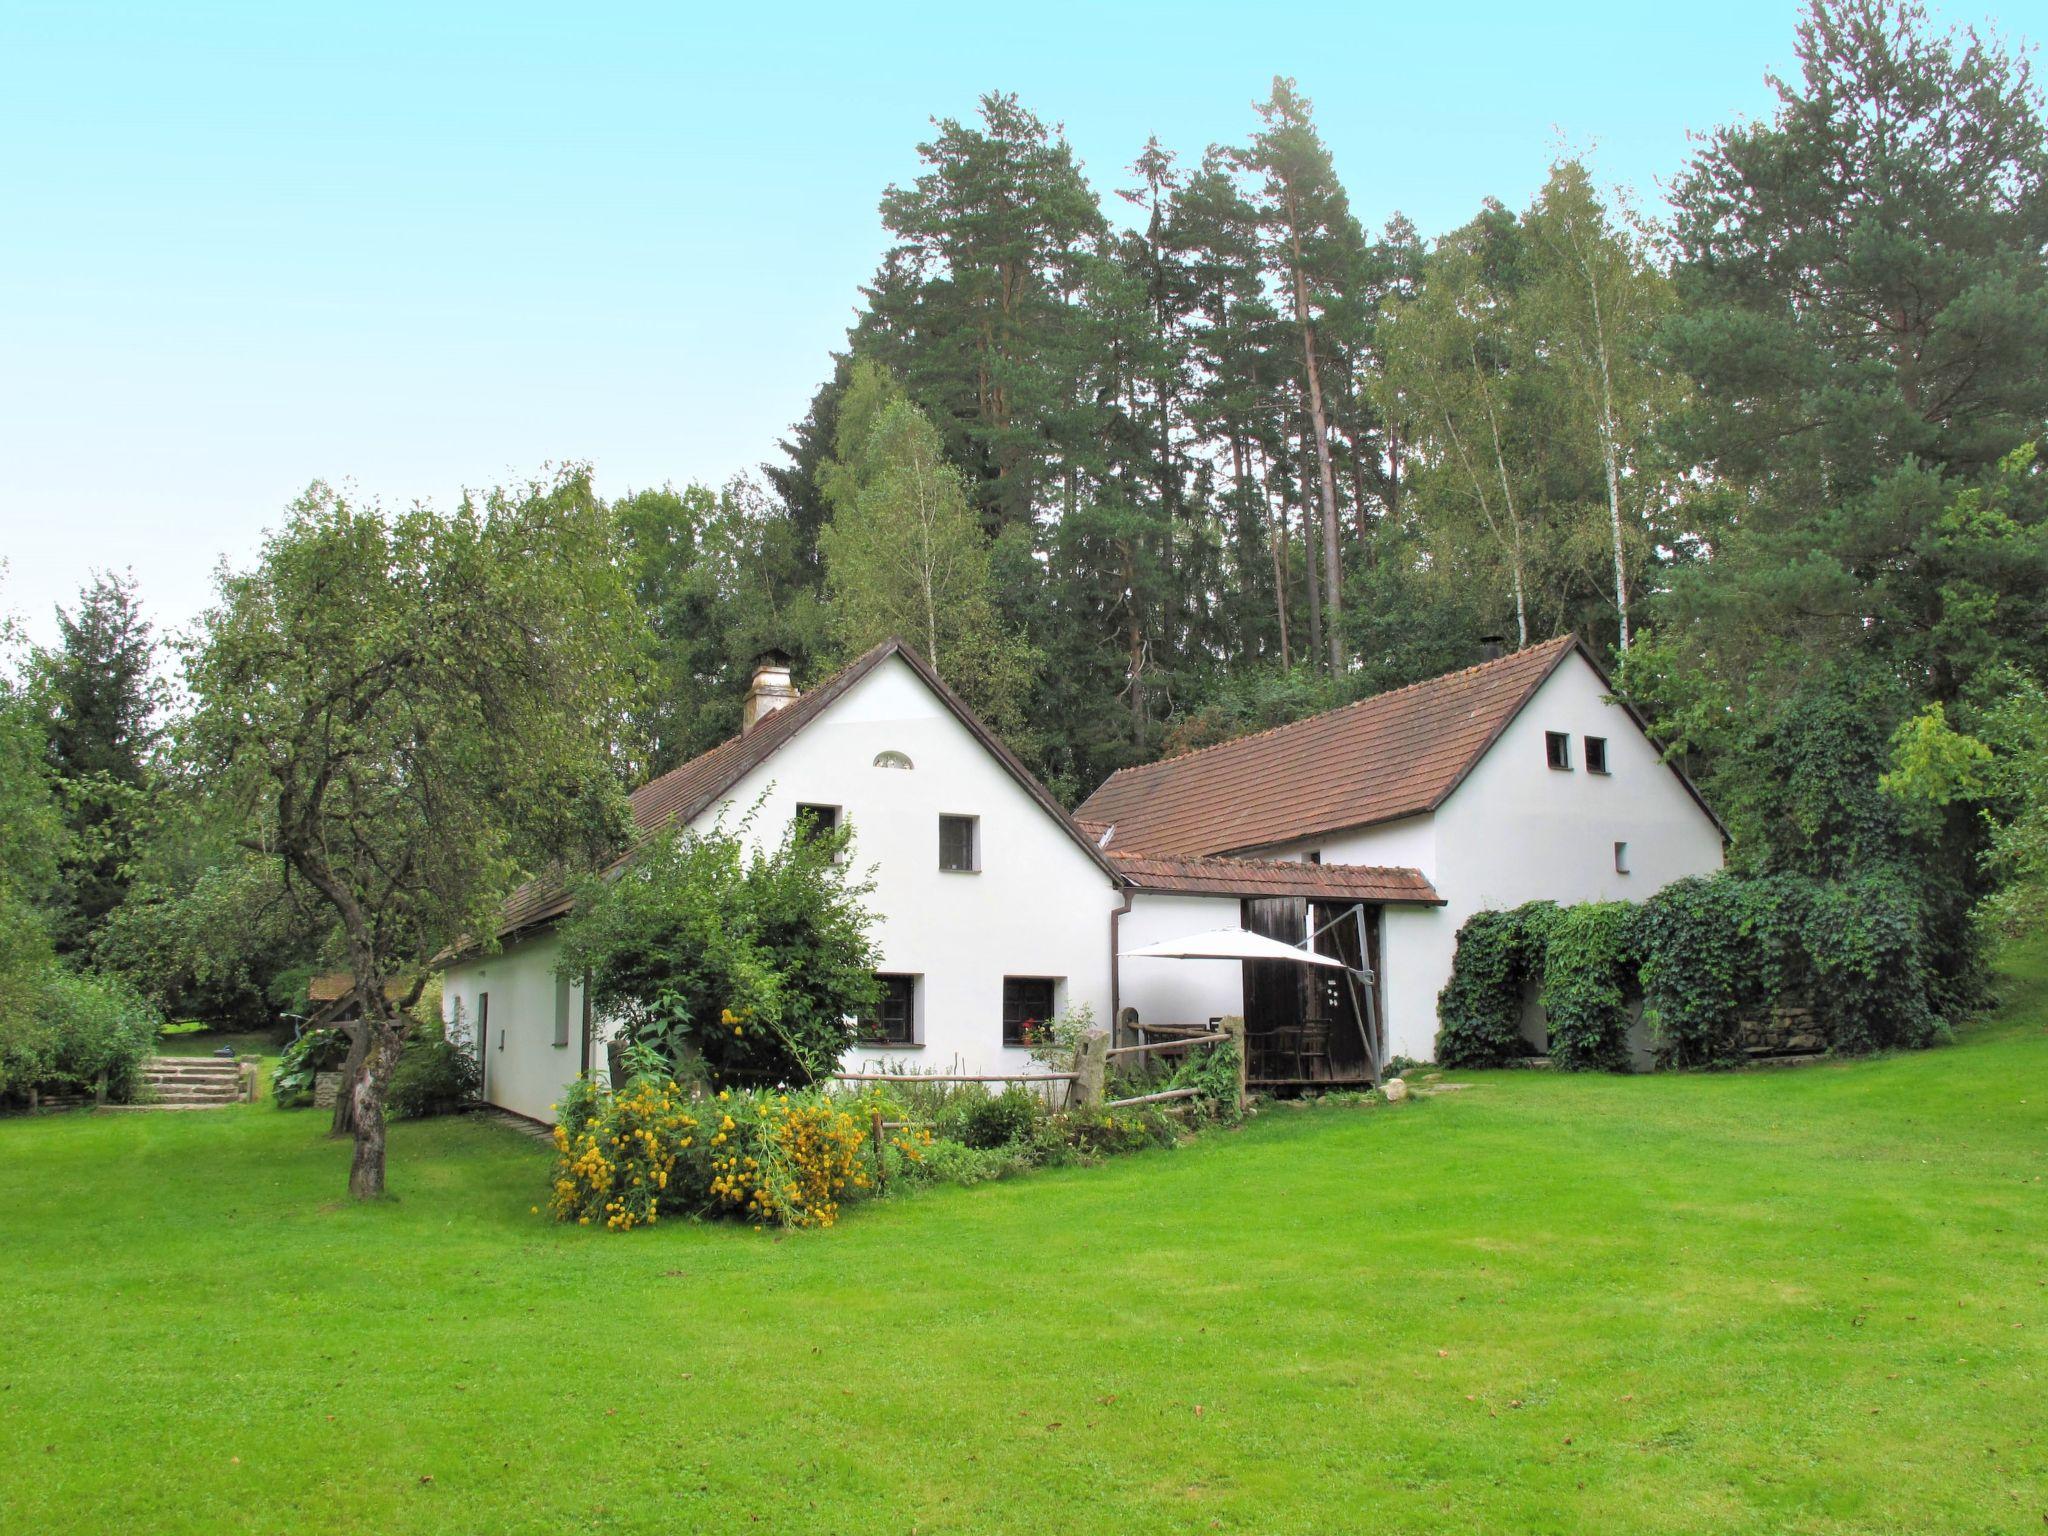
(992, 906)
(1371, 831)
(1520, 778)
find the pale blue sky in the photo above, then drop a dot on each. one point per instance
(420, 247)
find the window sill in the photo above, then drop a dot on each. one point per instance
(888, 1045)
(944, 871)
(561, 1045)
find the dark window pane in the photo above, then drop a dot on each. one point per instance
(1027, 1004)
(1557, 747)
(1596, 754)
(811, 820)
(896, 1016)
(956, 842)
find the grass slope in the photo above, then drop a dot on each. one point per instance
(1811, 1301)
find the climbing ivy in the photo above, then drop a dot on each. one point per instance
(1866, 945)
(1703, 954)
(1589, 977)
(1479, 1010)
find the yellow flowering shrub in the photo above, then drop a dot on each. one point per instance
(789, 1159)
(617, 1155)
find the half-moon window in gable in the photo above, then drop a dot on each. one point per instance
(892, 760)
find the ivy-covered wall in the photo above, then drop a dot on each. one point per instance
(1715, 962)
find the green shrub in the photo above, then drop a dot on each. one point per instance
(1000, 1119)
(81, 1028)
(432, 1078)
(1589, 963)
(315, 1051)
(1102, 1132)
(1479, 1010)
(754, 960)
(1866, 945)
(1211, 1070)
(1716, 949)
(954, 1162)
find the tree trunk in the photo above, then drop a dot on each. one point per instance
(1327, 473)
(366, 1168)
(1280, 538)
(1308, 551)
(344, 1121)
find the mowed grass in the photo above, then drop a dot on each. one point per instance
(1799, 1301)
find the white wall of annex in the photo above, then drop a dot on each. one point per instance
(1178, 991)
(524, 1070)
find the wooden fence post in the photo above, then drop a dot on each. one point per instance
(1090, 1061)
(881, 1161)
(1234, 1027)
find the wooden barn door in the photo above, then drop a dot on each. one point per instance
(1349, 1056)
(1274, 996)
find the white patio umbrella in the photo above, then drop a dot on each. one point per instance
(1230, 944)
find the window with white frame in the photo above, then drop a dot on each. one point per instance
(960, 844)
(894, 1021)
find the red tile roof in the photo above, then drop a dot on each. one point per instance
(1393, 755)
(1275, 877)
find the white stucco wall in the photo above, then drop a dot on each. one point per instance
(1179, 991)
(1038, 906)
(524, 1070)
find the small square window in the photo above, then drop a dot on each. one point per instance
(1621, 858)
(1557, 748)
(959, 843)
(895, 1020)
(1596, 754)
(1027, 1004)
(816, 820)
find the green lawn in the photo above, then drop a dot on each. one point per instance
(1799, 1301)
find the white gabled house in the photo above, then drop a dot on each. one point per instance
(1385, 824)
(992, 905)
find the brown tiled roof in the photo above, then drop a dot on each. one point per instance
(683, 793)
(1274, 877)
(1393, 755)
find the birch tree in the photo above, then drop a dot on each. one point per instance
(905, 556)
(1597, 301)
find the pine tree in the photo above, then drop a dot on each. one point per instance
(101, 699)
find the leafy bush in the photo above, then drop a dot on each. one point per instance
(1865, 944)
(79, 1029)
(1211, 1070)
(1479, 1011)
(1715, 950)
(432, 1078)
(1104, 1132)
(315, 1051)
(1000, 1119)
(1589, 965)
(753, 960)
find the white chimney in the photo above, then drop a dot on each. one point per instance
(770, 690)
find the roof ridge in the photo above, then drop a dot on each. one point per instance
(1338, 709)
(803, 696)
(1282, 864)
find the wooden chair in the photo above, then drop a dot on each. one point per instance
(1314, 1051)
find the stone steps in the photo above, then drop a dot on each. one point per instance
(190, 1082)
